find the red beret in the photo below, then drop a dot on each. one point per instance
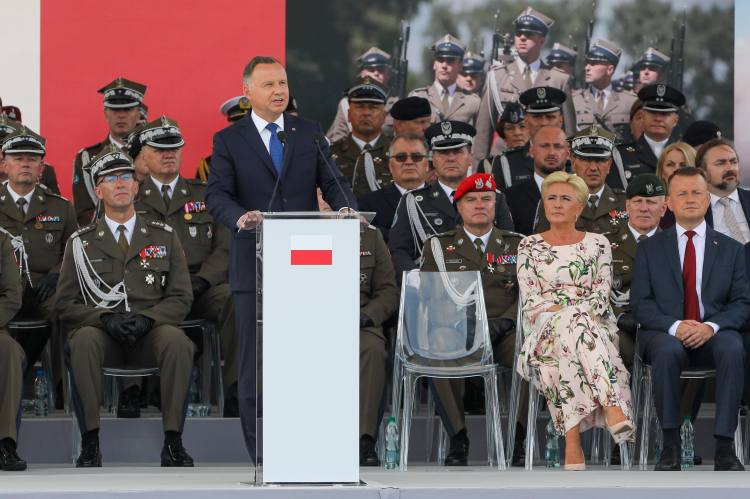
(476, 183)
(13, 113)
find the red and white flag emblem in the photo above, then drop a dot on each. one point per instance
(312, 250)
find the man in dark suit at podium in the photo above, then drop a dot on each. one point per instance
(247, 178)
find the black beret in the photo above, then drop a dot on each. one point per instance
(411, 108)
(700, 132)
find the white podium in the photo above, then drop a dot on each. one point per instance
(308, 348)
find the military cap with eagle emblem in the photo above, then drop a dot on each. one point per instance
(661, 98)
(449, 46)
(23, 140)
(654, 58)
(7, 126)
(540, 100)
(592, 142)
(367, 89)
(236, 107)
(112, 159)
(122, 93)
(533, 22)
(646, 185)
(449, 135)
(473, 63)
(605, 52)
(374, 58)
(560, 53)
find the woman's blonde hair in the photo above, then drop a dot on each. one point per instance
(582, 190)
(686, 150)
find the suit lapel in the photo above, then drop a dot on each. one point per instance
(606, 203)
(141, 238)
(152, 197)
(629, 245)
(646, 153)
(352, 151)
(442, 202)
(37, 205)
(107, 241)
(709, 255)
(533, 191)
(290, 128)
(392, 195)
(467, 249)
(7, 205)
(456, 102)
(710, 216)
(612, 104)
(250, 133)
(673, 255)
(180, 195)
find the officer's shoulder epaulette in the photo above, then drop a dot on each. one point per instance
(626, 145)
(610, 233)
(160, 225)
(559, 71)
(91, 147)
(511, 233)
(421, 89)
(450, 233)
(196, 181)
(618, 191)
(83, 230)
(340, 141)
(50, 193)
(577, 92)
(512, 149)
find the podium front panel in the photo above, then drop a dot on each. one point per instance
(310, 350)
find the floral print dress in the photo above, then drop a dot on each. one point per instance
(574, 349)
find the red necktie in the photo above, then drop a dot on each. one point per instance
(691, 306)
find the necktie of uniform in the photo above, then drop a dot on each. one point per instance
(122, 241)
(453, 193)
(592, 202)
(527, 76)
(165, 195)
(444, 98)
(478, 242)
(730, 220)
(21, 202)
(599, 100)
(642, 237)
(691, 307)
(275, 148)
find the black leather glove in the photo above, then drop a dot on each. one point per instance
(200, 286)
(628, 324)
(499, 328)
(142, 325)
(116, 326)
(365, 321)
(46, 287)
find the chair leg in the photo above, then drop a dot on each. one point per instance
(66, 387)
(47, 366)
(515, 393)
(381, 443)
(75, 432)
(430, 425)
(595, 438)
(397, 386)
(205, 362)
(409, 389)
(647, 400)
(114, 393)
(531, 424)
(747, 431)
(739, 448)
(493, 422)
(607, 441)
(625, 456)
(442, 443)
(218, 375)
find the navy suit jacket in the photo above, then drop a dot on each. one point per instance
(656, 292)
(384, 203)
(523, 199)
(744, 196)
(243, 178)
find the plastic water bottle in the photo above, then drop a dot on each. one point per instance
(392, 456)
(552, 454)
(658, 440)
(686, 436)
(41, 392)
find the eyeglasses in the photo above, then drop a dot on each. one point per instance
(415, 157)
(111, 179)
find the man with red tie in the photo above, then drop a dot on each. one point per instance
(690, 296)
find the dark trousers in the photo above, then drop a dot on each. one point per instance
(746, 342)
(668, 357)
(245, 313)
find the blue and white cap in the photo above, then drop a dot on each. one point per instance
(473, 63)
(560, 53)
(605, 52)
(654, 58)
(533, 22)
(449, 46)
(374, 58)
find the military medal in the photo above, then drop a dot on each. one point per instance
(450, 249)
(418, 198)
(209, 233)
(144, 264)
(38, 225)
(438, 221)
(500, 268)
(193, 230)
(153, 252)
(362, 279)
(149, 278)
(509, 285)
(188, 216)
(49, 237)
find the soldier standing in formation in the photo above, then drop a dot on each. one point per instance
(361, 155)
(471, 76)
(562, 58)
(122, 101)
(234, 109)
(124, 288)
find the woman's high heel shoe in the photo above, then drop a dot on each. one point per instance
(575, 467)
(620, 431)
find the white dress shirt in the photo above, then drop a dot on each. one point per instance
(485, 238)
(699, 242)
(16, 197)
(598, 196)
(538, 179)
(172, 184)
(451, 90)
(657, 147)
(265, 133)
(116, 142)
(404, 191)
(448, 190)
(129, 227)
(534, 67)
(607, 93)
(718, 213)
(361, 143)
(637, 234)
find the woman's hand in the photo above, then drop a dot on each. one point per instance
(553, 308)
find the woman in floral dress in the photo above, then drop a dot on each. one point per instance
(570, 335)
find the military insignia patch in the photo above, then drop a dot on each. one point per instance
(462, 267)
(628, 174)
(101, 233)
(76, 178)
(438, 221)
(362, 279)
(460, 241)
(625, 268)
(183, 191)
(193, 231)
(618, 214)
(38, 225)
(435, 194)
(450, 249)
(661, 90)
(446, 127)
(43, 218)
(153, 252)
(143, 229)
(49, 238)
(144, 264)
(147, 192)
(617, 283)
(418, 198)
(630, 149)
(196, 207)
(541, 93)
(507, 259)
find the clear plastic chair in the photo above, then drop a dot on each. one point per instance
(208, 366)
(443, 333)
(25, 327)
(625, 449)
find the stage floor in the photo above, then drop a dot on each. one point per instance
(419, 482)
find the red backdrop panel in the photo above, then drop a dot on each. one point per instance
(190, 54)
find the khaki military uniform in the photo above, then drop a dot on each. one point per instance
(615, 116)
(464, 105)
(351, 162)
(508, 86)
(48, 178)
(500, 287)
(609, 215)
(47, 224)
(341, 127)
(624, 247)
(378, 299)
(12, 356)
(158, 288)
(84, 199)
(206, 246)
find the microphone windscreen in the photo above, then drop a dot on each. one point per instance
(317, 137)
(281, 134)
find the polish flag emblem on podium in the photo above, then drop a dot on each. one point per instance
(312, 250)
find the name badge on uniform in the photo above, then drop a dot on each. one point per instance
(153, 252)
(454, 261)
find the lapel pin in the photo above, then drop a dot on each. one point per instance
(185, 192)
(143, 229)
(101, 233)
(435, 194)
(41, 198)
(148, 191)
(2, 198)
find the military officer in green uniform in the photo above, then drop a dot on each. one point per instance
(362, 154)
(477, 245)
(449, 101)
(122, 101)
(47, 177)
(591, 159)
(124, 288)
(169, 197)
(378, 299)
(12, 360)
(38, 222)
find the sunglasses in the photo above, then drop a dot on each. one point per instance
(415, 157)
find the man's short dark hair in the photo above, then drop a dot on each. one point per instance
(409, 137)
(687, 171)
(258, 59)
(700, 158)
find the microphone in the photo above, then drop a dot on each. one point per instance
(317, 137)
(281, 134)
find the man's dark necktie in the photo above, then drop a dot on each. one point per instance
(164, 195)
(122, 241)
(691, 307)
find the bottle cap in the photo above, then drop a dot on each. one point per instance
(687, 418)
(392, 420)
(40, 373)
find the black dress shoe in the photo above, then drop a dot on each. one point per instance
(458, 454)
(726, 460)
(9, 460)
(59, 397)
(231, 407)
(367, 454)
(129, 404)
(616, 459)
(91, 457)
(175, 456)
(518, 459)
(671, 459)
(697, 460)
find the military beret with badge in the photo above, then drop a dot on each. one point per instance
(513, 113)
(645, 185)
(700, 132)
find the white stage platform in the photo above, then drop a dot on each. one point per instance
(420, 482)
